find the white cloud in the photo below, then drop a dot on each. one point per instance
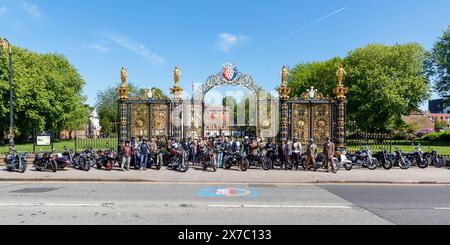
(99, 47)
(135, 47)
(227, 41)
(30, 8)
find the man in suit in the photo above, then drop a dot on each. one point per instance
(328, 151)
(311, 154)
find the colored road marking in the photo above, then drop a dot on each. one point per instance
(227, 192)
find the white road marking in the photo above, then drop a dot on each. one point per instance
(52, 204)
(277, 206)
(442, 208)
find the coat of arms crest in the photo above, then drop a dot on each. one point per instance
(229, 72)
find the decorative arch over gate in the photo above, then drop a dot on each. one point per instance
(231, 76)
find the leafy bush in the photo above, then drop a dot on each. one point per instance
(438, 136)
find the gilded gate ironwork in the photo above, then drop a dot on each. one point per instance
(139, 120)
(160, 120)
(301, 122)
(321, 130)
(312, 117)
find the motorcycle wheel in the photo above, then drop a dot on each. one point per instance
(23, 166)
(109, 166)
(158, 166)
(267, 164)
(304, 164)
(54, 166)
(9, 169)
(245, 164)
(86, 165)
(388, 164)
(205, 166)
(184, 166)
(423, 163)
(289, 165)
(228, 164)
(348, 166)
(214, 168)
(405, 164)
(373, 164)
(438, 162)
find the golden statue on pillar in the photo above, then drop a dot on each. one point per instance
(123, 77)
(341, 91)
(176, 90)
(284, 90)
(122, 91)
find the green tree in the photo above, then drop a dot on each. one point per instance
(440, 64)
(47, 93)
(107, 103)
(385, 82)
(321, 75)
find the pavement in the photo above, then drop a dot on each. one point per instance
(413, 175)
(50, 203)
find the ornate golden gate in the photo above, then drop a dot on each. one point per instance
(312, 117)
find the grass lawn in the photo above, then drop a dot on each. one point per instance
(59, 145)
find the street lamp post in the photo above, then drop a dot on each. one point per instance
(11, 133)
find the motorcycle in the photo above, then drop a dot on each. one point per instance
(207, 159)
(236, 159)
(273, 160)
(106, 159)
(384, 159)
(417, 158)
(400, 160)
(434, 159)
(363, 158)
(260, 159)
(44, 162)
(16, 161)
(153, 161)
(175, 160)
(64, 159)
(84, 160)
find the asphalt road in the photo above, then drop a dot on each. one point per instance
(194, 204)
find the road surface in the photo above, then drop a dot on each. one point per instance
(58, 203)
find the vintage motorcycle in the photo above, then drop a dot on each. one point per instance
(106, 159)
(175, 160)
(434, 159)
(260, 160)
(44, 162)
(400, 160)
(207, 159)
(363, 158)
(384, 159)
(84, 160)
(417, 158)
(236, 159)
(65, 159)
(16, 162)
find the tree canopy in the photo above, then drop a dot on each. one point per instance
(385, 82)
(440, 64)
(107, 104)
(47, 93)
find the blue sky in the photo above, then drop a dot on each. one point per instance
(150, 37)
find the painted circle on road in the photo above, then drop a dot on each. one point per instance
(224, 192)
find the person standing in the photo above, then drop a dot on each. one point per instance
(153, 151)
(284, 153)
(144, 149)
(194, 152)
(311, 153)
(127, 150)
(296, 152)
(328, 151)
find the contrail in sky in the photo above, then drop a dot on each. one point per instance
(306, 26)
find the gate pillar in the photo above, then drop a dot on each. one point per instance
(340, 92)
(122, 92)
(284, 91)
